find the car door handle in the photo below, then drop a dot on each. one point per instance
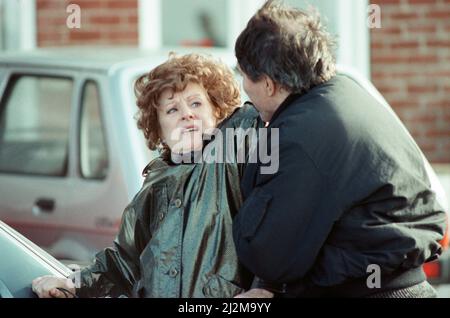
(43, 205)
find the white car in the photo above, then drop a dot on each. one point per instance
(71, 155)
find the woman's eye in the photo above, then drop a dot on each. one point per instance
(196, 104)
(171, 110)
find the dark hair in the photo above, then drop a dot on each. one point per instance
(288, 45)
(175, 74)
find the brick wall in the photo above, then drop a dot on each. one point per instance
(410, 60)
(103, 22)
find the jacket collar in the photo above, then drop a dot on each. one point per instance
(285, 104)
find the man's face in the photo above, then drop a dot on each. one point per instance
(257, 93)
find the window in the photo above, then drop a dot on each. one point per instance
(198, 22)
(34, 125)
(93, 153)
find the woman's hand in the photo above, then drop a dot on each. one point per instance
(255, 293)
(46, 287)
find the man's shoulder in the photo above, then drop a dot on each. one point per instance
(325, 109)
(311, 124)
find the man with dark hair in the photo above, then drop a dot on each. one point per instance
(351, 194)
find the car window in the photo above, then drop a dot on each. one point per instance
(34, 125)
(23, 261)
(93, 152)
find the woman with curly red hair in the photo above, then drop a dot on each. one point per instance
(214, 81)
(175, 239)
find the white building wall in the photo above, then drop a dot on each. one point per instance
(17, 24)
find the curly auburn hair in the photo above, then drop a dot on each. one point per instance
(175, 74)
(290, 46)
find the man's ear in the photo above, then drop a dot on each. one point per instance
(270, 86)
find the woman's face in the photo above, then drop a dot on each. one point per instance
(184, 116)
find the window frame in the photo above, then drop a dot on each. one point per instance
(6, 89)
(80, 109)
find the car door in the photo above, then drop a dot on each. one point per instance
(36, 125)
(97, 195)
(21, 262)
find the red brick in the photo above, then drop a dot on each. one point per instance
(413, 2)
(442, 160)
(377, 75)
(51, 23)
(424, 118)
(104, 19)
(396, 59)
(384, 89)
(130, 35)
(438, 133)
(439, 159)
(84, 35)
(438, 43)
(377, 45)
(133, 19)
(387, 30)
(420, 89)
(405, 45)
(88, 4)
(445, 14)
(385, 2)
(387, 59)
(444, 104)
(423, 59)
(422, 29)
(404, 16)
(403, 103)
(49, 4)
(391, 74)
(122, 4)
(49, 37)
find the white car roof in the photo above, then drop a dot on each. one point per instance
(102, 58)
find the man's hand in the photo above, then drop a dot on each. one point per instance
(46, 287)
(255, 293)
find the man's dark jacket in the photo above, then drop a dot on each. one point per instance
(351, 191)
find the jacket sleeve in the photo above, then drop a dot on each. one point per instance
(115, 269)
(281, 226)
